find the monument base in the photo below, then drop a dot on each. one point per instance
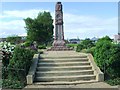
(59, 48)
(59, 45)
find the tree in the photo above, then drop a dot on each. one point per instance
(14, 39)
(40, 29)
(107, 38)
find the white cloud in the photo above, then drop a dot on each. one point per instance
(12, 27)
(74, 25)
(22, 14)
(89, 26)
(16, 25)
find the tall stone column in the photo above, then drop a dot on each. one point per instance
(59, 43)
(59, 33)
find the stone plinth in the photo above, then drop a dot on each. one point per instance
(59, 48)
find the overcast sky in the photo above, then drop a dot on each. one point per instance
(81, 19)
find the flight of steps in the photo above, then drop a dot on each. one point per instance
(64, 70)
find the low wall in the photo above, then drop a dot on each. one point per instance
(32, 70)
(97, 71)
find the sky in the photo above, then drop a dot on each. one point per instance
(81, 19)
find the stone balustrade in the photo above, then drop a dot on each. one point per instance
(99, 74)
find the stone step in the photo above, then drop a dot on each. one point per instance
(65, 68)
(64, 73)
(65, 82)
(65, 78)
(63, 63)
(64, 60)
(59, 57)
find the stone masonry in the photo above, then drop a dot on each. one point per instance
(59, 42)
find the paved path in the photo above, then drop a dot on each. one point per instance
(90, 85)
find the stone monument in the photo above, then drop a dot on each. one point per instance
(59, 43)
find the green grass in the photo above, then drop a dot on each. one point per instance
(71, 45)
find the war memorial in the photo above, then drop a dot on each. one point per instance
(61, 67)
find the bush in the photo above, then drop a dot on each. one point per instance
(85, 44)
(18, 68)
(41, 47)
(12, 84)
(21, 58)
(27, 44)
(91, 50)
(7, 50)
(79, 47)
(115, 81)
(106, 55)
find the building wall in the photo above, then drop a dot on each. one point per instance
(117, 38)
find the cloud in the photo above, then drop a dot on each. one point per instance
(22, 14)
(12, 27)
(74, 25)
(89, 26)
(12, 21)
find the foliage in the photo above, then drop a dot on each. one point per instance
(91, 50)
(79, 47)
(73, 46)
(12, 84)
(85, 44)
(40, 29)
(106, 38)
(106, 55)
(14, 75)
(27, 43)
(14, 39)
(41, 47)
(115, 81)
(21, 58)
(7, 50)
